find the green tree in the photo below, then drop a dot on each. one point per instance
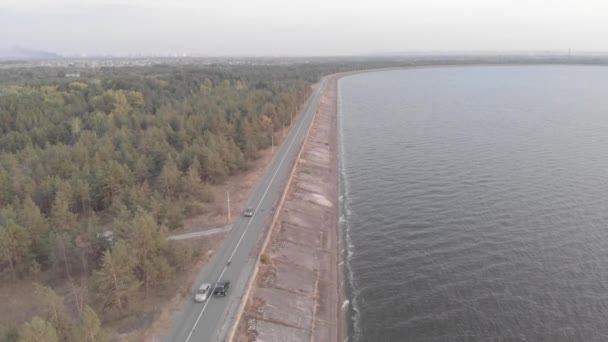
(31, 218)
(8, 332)
(213, 166)
(168, 213)
(37, 330)
(82, 194)
(62, 254)
(191, 180)
(158, 271)
(62, 219)
(168, 182)
(246, 138)
(135, 99)
(115, 285)
(15, 244)
(114, 178)
(90, 327)
(56, 314)
(147, 243)
(6, 188)
(141, 170)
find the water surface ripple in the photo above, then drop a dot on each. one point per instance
(476, 203)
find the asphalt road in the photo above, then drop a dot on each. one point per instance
(211, 321)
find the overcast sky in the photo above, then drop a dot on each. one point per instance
(302, 27)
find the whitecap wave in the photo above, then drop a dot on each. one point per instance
(345, 213)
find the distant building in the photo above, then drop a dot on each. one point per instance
(73, 74)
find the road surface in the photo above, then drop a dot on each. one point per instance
(212, 320)
(201, 233)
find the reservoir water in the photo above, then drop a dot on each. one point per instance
(475, 203)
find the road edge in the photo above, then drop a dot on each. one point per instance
(253, 276)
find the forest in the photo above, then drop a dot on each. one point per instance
(131, 150)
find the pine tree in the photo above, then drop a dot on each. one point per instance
(169, 213)
(115, 177)
(37, 330)
(62, 253)
(246, 139)
(90, 327)
(62, 219)
(56, 314)
(213, 165)
(191, 181)
(15, 244)
(158, 272)
(31, 218)
(115, 284)
(7, 176)
(93, 243)
(141, 170)
(6, 188)
(147, 241)
(168, 182)
(233, 157)
(9, 332)
(83, 196)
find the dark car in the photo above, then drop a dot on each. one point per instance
(221, 289)
(248, 212)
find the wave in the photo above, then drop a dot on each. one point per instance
(345, 213)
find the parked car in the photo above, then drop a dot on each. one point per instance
(248, 212)
(202, 293)
(221, 289)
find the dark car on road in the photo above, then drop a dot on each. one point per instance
(248, 212)
(221, 289)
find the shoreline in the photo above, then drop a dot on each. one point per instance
(343, 288)
(269, 312)
(305, 244)
(344, 319)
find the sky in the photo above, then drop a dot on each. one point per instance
(302, 27)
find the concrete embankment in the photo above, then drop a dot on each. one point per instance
(296, 295)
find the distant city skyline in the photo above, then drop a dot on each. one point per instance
(300, 28)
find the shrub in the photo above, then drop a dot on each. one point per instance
(266, 259)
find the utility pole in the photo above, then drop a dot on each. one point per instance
(228, 201)
(291, 121)
(272, 143)
(283, 128)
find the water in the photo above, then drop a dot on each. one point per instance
(475, 203)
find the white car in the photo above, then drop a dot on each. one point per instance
(248, 212)
(202, 293)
